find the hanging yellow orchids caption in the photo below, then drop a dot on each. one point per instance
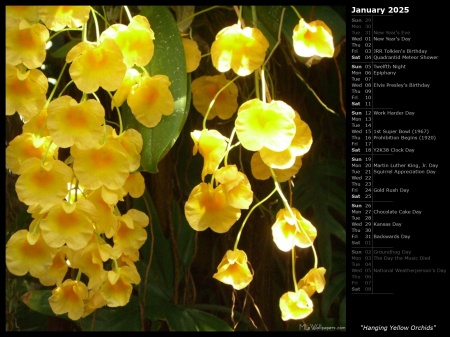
(75, 167)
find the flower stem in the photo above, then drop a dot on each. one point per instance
(97, 29)
(229, 146)
(288, 207)
(128, 13)
(214, 100)
(198, 13)
(50, 97)
(296, 12)
(248, 215)
(119, 115)
(294, 276)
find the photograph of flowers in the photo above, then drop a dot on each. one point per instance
(175, 168)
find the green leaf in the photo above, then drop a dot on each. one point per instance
(204, 321)
(180, 318)
(169, 60)
(332, 291)
(37, 300)
(156, 251)
(185, 238)
(126, 318)
(27, 319)
(62, 51)
(320, 191)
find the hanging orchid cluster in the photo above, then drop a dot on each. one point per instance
(79, 242)
(278, 138)
(73, 201)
